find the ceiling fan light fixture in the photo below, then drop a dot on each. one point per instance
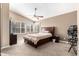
(36, 15)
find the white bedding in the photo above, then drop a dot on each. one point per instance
(37, 36)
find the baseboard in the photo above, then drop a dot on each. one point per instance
(5, 47)
(62, 41)
(4, 54)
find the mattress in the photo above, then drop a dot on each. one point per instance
(37, 36)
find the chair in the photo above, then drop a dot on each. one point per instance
(72, 33)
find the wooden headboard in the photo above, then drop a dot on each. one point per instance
(50, 29)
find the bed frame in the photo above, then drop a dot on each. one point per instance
(43, 41)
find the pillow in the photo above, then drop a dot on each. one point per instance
(45, 31)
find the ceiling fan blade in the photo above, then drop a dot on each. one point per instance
(40, 16)
(36, 16)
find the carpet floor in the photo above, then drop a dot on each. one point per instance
(48, 49)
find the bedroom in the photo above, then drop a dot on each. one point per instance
(22, 20)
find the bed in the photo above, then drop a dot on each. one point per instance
(37, 39)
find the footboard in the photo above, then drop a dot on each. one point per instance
(40, 42)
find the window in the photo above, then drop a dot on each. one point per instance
(27, 28)
(36, 28)
(22, 28)
(13, 27)
(17, 27)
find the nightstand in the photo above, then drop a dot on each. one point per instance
(57, 38)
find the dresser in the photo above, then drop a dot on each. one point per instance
(13, 39)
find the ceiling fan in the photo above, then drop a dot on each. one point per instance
(36, 16)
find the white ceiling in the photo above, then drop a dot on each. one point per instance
(44, 9)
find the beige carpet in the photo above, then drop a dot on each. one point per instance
(48, 49)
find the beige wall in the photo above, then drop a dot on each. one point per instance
(61, 22)
(17, 17)
(4, 25)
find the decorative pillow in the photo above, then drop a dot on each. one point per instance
(45, 31)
